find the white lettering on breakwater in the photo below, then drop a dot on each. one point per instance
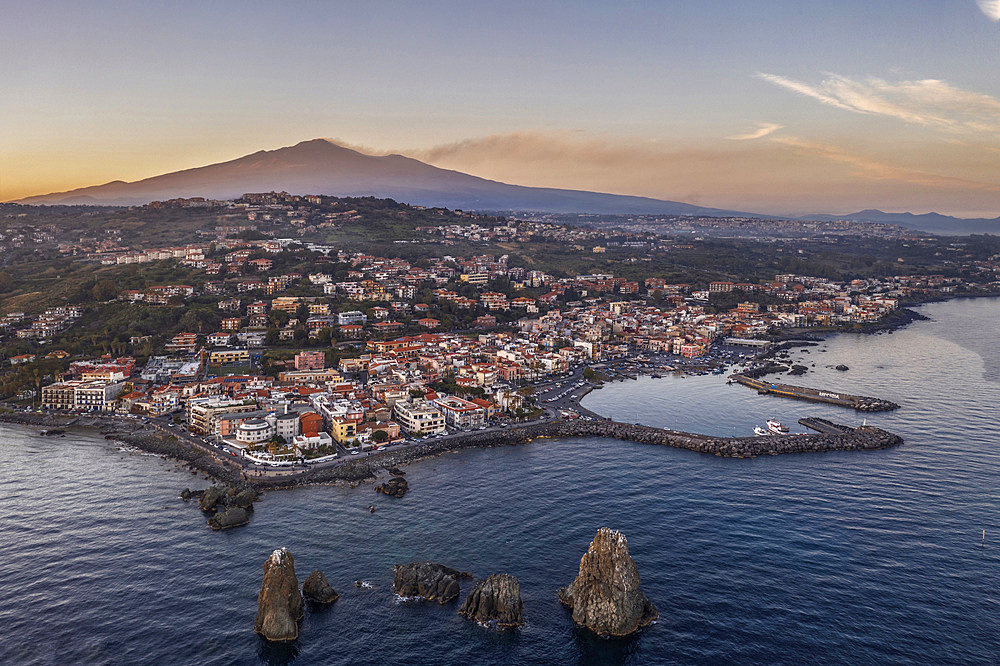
(825, 394)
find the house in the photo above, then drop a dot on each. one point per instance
(218, 339)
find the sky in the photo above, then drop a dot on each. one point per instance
(773, 106)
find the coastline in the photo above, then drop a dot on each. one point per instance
(363, 469)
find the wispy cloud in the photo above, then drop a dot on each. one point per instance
(991, 8)
(927, 102)
(761, 132)
(872, 168)
(780, 172)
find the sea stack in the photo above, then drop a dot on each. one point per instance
(495, 599)
(317, 589)
(279, 604)
(429, 580)
(605, 597)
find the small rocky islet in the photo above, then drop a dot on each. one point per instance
(317, 589)
(226, 506)
(396, 486)
(495, 600)
(604, 598)
(429, 580)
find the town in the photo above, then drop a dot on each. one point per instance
(362, 351)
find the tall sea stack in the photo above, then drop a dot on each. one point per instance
(605, 597)
(279, 604)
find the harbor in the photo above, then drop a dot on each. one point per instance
(856, 402)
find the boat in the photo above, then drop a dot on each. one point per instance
(777, 428)
(760, 432)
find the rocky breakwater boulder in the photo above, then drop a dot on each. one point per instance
(279, 604)
(317, 589)
(497, 599)
(394, 487)
(605, 596)
(429, 580)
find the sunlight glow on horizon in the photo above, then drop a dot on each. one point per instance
(772, 107)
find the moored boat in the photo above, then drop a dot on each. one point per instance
(776, 427)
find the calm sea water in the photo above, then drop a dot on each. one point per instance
(871, 557)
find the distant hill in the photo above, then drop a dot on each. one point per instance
(323, 167)
(935, 223)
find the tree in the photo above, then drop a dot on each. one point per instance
(380, 436)
(105, 290)
(6, 281)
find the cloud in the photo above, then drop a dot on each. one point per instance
(991, 8)
(779, 173)
(871, 168)
(927, 102)
(764, 130)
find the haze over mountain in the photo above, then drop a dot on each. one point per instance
(320, 166)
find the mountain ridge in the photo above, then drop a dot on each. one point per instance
(321, 166)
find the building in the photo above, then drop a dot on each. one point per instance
(420, 417)
(312, 442)
(91, 396)
(227, 356)
(720, 287)
(286, 426)
(352, 317)
(182, 342)
(254, 431)
(202, 412)
(459, 413)
(310, 360)
(345, 431)
(310, 424)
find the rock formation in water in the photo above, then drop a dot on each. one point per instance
(279, 604)
(210, 498)
(234, 516)
(495, 599)
(318, 589)
(428, 580)
(605, 597)
(395, 487)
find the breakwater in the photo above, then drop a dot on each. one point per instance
(866, 438)
(858, 402)
(366, 468)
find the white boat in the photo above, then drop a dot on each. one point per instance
(776, 427)
(760, 432)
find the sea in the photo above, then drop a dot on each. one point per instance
(873, 557)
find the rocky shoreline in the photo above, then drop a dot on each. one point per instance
(131, 433)
(866, 438)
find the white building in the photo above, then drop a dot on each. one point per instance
(254, 431)
(459, 413)
(286, 426)
(313, 442)
(419, 417)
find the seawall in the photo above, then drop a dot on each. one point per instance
(866, 438)
(363, 468)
